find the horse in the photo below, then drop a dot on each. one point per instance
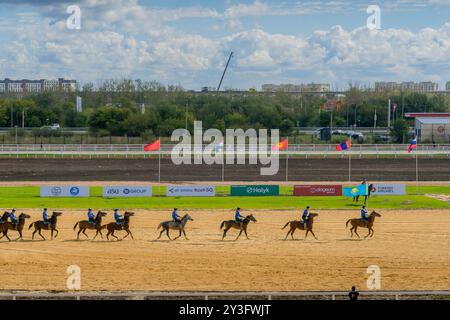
(174, 225)
(357, 222)
(85, 224)
(228, 224)
(294, 225)
(39, 225)
(5, 226)
(114, 226)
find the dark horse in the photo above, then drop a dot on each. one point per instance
(237, 225)
(85, 224)
(175, 225)
(5, 226)
(294, 225)
(114, 226)
(357, 222)
(51, 225)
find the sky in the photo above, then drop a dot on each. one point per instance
(188, 42)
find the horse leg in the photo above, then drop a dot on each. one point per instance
(32, 236)
(177, 236)
(356, 228)
(78, 234)
(373, 231)
(6, 235)
(225, 232)
(84, 232)
(239, 234)
(245, 231)
(292, 233)
(313, 234)
(160, 234)
(41, 234)
(130, 234)
(184, 232)
(168, 236)
(306, 234)
(351, 232)
(112, 235)
(56, 232)
(96, 233)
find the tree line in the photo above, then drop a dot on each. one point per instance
(153, 110)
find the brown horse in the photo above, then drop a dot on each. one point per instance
(5, 226)
(358, 222)
(51, 225)
(114, 226)
(237, 225)
(96, 225)
(294, 225)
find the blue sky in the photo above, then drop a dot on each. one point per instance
(187, 42)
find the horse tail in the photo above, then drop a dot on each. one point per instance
(286, 225)
(76, 225)
(221, 225)
(346, 224)
(30, 226)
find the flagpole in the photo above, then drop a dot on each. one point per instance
(159, 168)
(349, 167)
(287, 162)
(417, 172)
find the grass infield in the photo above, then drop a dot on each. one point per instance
(28, 197)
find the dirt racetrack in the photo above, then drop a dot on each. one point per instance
(410, 247)
(318, 169)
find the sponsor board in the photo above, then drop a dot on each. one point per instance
(64, 191)
(361, 190)
(382, 189)
(255, 191)
(127, 191)
(190, 191)
(318, 190)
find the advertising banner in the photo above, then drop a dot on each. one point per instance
(388, 189)
(127, 191)
(318, 190)
(190, 191)
(255, 191)
(64, 191)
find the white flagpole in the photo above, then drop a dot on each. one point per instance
(349, 167)
(287, 162)
(417, 172)
(159, 162)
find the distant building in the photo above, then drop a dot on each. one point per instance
(25, 85)
(431, 127)
(447, 86)
(409, 86)
(296, 88)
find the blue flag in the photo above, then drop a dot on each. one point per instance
(361, 190)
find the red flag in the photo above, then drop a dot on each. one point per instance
(154, 146)
(282, 145)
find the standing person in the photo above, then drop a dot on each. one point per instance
(175, 216)
(91, 217)
(353, 295)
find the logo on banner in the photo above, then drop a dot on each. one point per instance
(74, 191)
(56, 191)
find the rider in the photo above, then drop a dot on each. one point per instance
(237, 216)
(91, 217)
(305, 216)
(12, 217)
(175, 216)
(364, 216)
(44, 216)
(118, 218)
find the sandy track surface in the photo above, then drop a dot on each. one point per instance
(411, 248)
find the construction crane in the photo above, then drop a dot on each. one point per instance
(224, 71)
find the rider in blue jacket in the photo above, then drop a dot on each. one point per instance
(91, 217)
(175, 216)
(12, 217)
(118, 218)
(237, 216)
(44, 216)
(305, 215)
(364, 216)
